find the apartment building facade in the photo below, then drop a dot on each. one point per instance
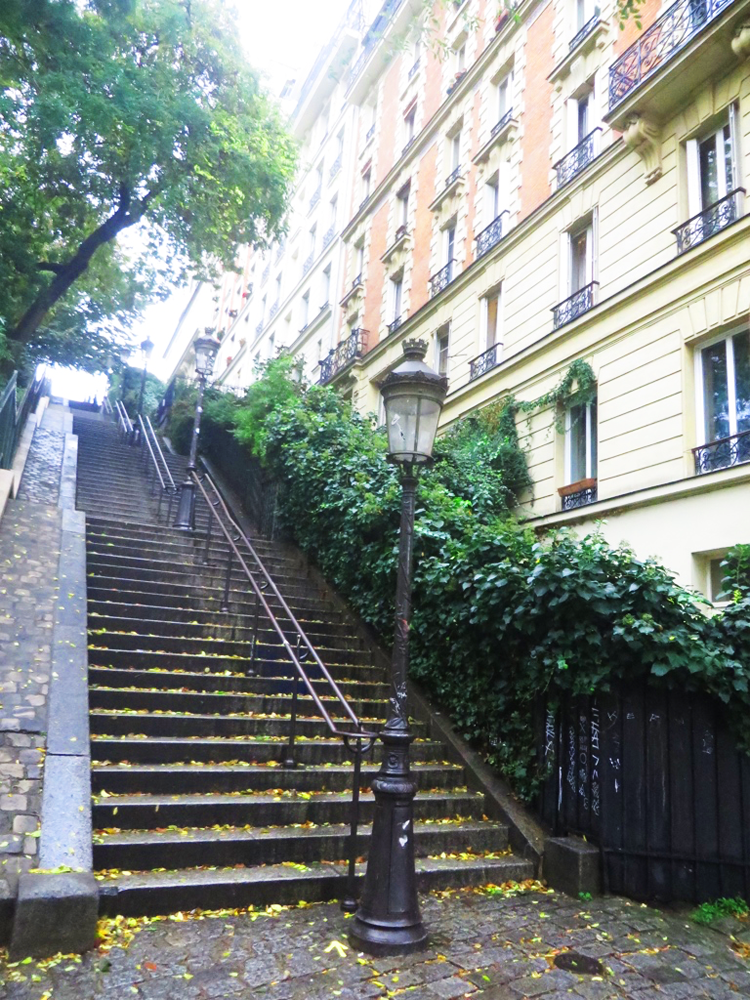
(522, 190)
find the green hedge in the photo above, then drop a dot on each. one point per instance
(500, 616)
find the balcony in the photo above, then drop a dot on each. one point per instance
(348, 351)
(335, 167)
(356, 289)
(401, 241)
(328, 237)
(280, 250)
(259, 327)
(314, 200)
(689, 44)
(442, 279)
(490, 359)
(585, 31)
(272, 311)
(453, 177)
(413, 71)
(409, 144)
(710, 221)
(308, 263)
(578, 494)
(491, 236)
(503, 123)
(394, 325)
(266, 272)
(577, 159)
(574, 306)
(722, 454)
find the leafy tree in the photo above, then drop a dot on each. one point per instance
(123, 115)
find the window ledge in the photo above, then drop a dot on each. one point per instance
(451, 190)
(582, 484)
(596, 38)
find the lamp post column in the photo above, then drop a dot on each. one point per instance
(388, 919)
(185, 518)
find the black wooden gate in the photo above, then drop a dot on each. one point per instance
(654, 778)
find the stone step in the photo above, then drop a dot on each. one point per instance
(191, 848)
(262, 810)
(185, 551)
(218, 779)
(166, 750)
(241, 600)
(240, 628)
(101, 527)
(113, 677)
(152, 893)
(204, 645)
(125, 659)
(209, 703)
(118, 723)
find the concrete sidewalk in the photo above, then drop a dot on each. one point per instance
(489, 945)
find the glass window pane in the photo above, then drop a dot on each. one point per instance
(715, 391)
(741, 345)
(728, 158)
(709, 172)
(492, 320)
(579, 274)
(577, 443)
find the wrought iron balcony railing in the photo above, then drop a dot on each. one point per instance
(308, 263)
(272, 311)
(314, 200)
(490, 359)
(722, 454)
(575, 305)
(370, 133)
(348, 350)
(357, 280)
(577, 159)
(505, 120)
(259, 327)
(677, 25)
(580, 498)
(335, 167)
(491, 236)
(329, 235)
(710, 221)
(442, 279)
(394, 325)
(586, 30)
(409, 144)
(453, 176)
(280, 250)
(413, 71)
(266, 272)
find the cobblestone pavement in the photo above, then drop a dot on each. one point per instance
(30, 531)
(486, 946)
(41, 476)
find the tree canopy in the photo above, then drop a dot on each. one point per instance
(117, 115)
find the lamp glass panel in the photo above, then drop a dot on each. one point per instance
(412, 424)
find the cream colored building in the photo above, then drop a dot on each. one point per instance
(613, 175)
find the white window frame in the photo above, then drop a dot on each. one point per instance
(566, 275)
(449, 244)
(326, 283)
(569, 446)
(692, 152)
(504, 95)
(700, 409)
(495, 293)
(443, 334)
(397, 296)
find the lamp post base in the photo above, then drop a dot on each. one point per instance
(388, 921)
(185, 519)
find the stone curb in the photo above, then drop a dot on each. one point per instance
(57, 907)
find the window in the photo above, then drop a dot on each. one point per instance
(491, 319)
(442, 343)
(455, 152)
(449, 243)
(492, 197)
(262, 309)
(360, 258)
(397, 285)
(584, 11)
(581, 116)
(272, 346)
(402, 208)
(711, 167)
(581, 259)
(334, 210)
(724, 393)
(459, 58)
(278, 287)
(580, 443)
(326, 286)
(410, 120)
(366, 178)
(305, 309)
(504, 89)
(311, 240)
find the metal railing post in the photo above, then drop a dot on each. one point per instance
(349, 902)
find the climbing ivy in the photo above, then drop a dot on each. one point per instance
(501, 617)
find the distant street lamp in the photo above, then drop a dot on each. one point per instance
(206, 348)
(388, 920)
(147, 348)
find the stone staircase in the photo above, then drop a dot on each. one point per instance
(192, 806)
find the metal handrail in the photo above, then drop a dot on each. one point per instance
(168, 489)
(359, 742)
(160, 453)
(126, 424)
(302, 639)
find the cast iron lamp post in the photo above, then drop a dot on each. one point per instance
(388, 920)
(206, 349)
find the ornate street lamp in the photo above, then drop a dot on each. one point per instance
(147, 348)
(206, 348)
(388, 920)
